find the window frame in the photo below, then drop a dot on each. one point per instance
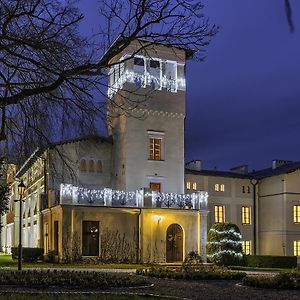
(247, 247)
(219, 213)
(156, 135)
(246, 215)
(296, 214)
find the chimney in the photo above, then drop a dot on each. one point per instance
(279, 162)
(194, 165)
(243, 169)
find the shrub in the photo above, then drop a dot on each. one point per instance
(224, 246)
(269, 261)
(285, 280)
(192, 261)
(215, 273)
(28, 254)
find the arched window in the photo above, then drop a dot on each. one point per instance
(99, 166)
(91, 166)
(83, 165)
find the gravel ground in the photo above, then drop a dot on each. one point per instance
(222, 289)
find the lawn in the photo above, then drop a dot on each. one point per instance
(30, 296)
(7, 261)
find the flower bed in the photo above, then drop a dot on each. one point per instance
(35, 278)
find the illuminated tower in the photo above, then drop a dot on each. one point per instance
(148, 149)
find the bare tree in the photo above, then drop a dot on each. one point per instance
(48, 71)
(288, 10)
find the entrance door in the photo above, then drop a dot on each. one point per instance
(174, 243)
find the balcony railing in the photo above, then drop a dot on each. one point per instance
(74, 195)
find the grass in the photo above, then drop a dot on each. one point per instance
(36, 296)
(6, 261)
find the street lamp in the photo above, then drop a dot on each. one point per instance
(21, 190)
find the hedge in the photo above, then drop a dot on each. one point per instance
(286, 280)
(28, 254)
(269, 261)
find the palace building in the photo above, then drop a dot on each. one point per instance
(130, 197)
(118, 198)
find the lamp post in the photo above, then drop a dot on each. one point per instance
(21, 190)
(254, 183)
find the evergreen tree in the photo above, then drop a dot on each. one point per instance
(224, 246)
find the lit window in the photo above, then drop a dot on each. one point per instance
(91, 166)
(83, 165)
(188, 185)
(247, 247)
(246, 215)
(155, 149)
(222, 188)
(296, 248)
(155, 186)
(195, 186)
(297, 214)
(99, 166)
(217, 187)
(219, 213)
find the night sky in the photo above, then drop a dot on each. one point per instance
(243, 102)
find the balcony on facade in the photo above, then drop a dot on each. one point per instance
(142, 71)
(143, 198)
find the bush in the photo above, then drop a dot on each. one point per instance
(269, 261)
(192, 261)
(285, 280)
(214, 273)
(33, 278)
(224, 246)
(28, 254)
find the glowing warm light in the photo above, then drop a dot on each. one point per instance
(157, 218)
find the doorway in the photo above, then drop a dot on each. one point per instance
(174, 243)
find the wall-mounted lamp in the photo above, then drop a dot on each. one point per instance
(157, 218)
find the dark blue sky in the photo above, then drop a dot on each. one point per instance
(243, 103)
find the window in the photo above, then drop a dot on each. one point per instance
(139, 61)
(91, 166)
(155, 149)
(83, 165)
(297, 248)
(195, 186)
(188, 185)
(154, 64)
(246, 215)
(247, 248)
(246, 188)
(155, 186)
(219, 187)
(296, 210)
(219, 214)
(56, 233)
(99, 166)
(90, 238)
